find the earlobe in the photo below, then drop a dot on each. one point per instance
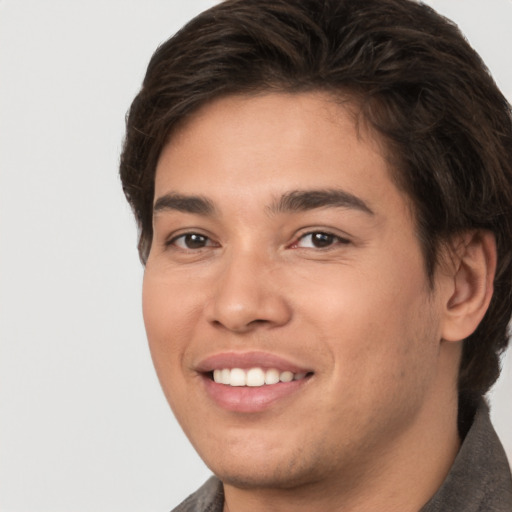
(474, 266)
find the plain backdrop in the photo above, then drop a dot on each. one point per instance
(84, 426)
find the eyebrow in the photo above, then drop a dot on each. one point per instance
(303, 200)
(294, 201)
(198, 205)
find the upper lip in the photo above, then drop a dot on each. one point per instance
(246, 360)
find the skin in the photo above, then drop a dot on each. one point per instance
(374, 425)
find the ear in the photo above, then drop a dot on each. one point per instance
(472, 270)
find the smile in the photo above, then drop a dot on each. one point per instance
(254, 377)
(253, 381)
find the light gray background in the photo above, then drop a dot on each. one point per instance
(84, 426)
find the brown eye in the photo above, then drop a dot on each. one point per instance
(191, 241)
(320, 240)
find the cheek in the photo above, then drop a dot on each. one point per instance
(377, 325)
(163, 322)
(166, 334)
(168, 304)
(400, 346)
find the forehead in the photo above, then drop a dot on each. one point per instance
(283, 123)
(253, 149)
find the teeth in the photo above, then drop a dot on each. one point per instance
(225, 376)
(237, 377)
(271, 377)
(254, 377)
(286, 377)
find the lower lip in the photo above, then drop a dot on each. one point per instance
(250, 399)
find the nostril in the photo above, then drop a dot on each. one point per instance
(258, 321)
(239, 326)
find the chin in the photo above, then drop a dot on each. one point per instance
(262, 471)
(258, 478)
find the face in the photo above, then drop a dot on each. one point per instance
(288, 313)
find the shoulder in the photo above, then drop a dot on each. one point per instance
(208, 498)
(480, 478)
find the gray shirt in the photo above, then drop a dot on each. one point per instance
(479, 480)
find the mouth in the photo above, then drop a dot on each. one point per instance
(254, 377)
(252, 382)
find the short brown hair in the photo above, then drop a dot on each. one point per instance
(418, 83)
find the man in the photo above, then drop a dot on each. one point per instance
(323, 191)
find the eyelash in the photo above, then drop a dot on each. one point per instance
(326, 236)
(332, 239)
(173, 241)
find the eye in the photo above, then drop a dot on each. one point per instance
(191, 241)
(319, 240)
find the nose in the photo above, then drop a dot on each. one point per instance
(248, 295)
